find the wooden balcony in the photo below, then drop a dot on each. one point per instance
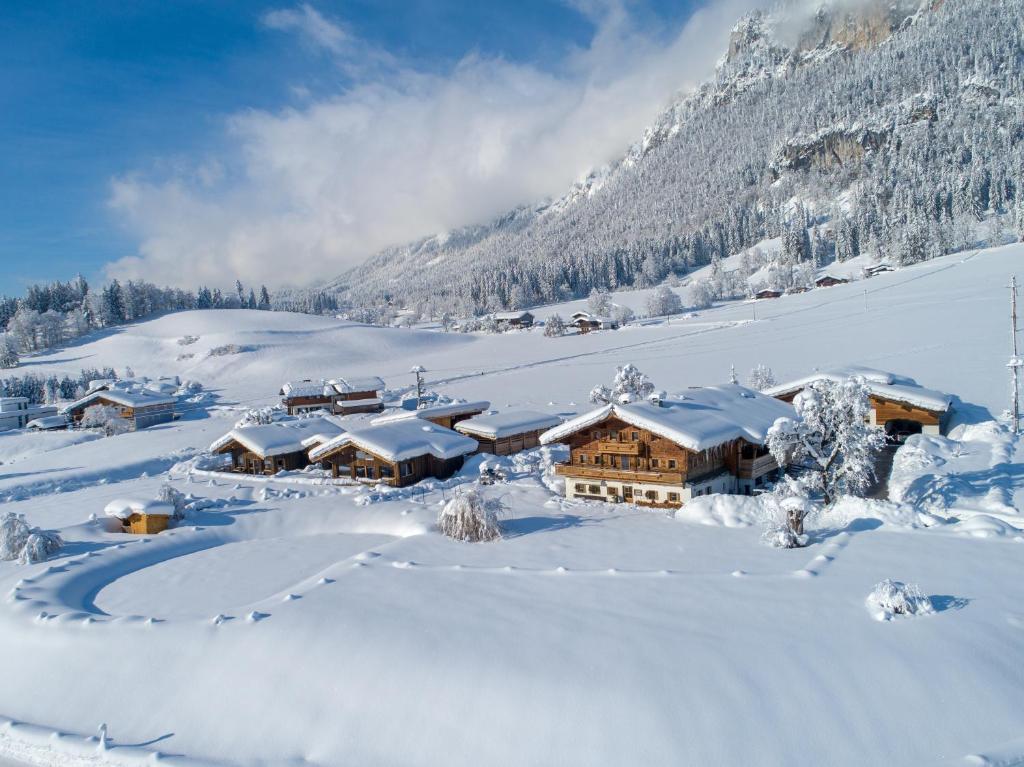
(755, 467)
(575, 471)
(619, 448)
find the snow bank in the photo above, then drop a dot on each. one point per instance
(723, 510)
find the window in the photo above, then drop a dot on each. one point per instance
(671, 463)
(595, 489)
(673, 497)
(268, 462)
(280, 464)
(386, 472)
(613, 436)
(624, 461)
(635, 436)
(696, 493)
(405, 469)
(598, 460)
(654, 463)
(627, 492)
(580, 488)
(651, 495)
(583, 457)
(612, 491)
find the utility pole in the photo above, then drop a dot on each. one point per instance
(419, 370)
(865, 300)
(754, 305)
(1015, 361)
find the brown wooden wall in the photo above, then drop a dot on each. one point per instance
(886, 410)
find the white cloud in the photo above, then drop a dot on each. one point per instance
(307, 192)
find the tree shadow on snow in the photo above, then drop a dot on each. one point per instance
(943, 602)
(514, 528)
(858, 525)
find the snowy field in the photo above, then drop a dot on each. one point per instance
(307, 624)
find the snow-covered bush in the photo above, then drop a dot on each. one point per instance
(829, 444)
(106, 418)
(554, 326)
(629, 381)
(26, 544)
(891, 598)
(40, 546)
(663, 301)
(187, 340)
(260, 416)
(174, 497)
(702, 294)
(227, 349)
(470, 517)
(761, 378)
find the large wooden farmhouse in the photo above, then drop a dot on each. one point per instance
(280, 446)
(446, 415)
(513, 320)
(898, 404)
(138, 405)
(342, 396)
(398, 453)
(508, 432)
(662, 452)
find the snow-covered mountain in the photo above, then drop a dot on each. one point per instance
(899, 121)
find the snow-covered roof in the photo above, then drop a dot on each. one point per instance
(365, 402)
(133, 398)
(512, 315)
(122, 508)
(280, 437)
(348, 384)
(499, 425)
(700, 419)
(48, 422)
(400, 441)
(434, 411)
(307, 389)
(13, 400)
(879, 382)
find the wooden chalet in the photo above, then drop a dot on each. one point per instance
(584, 322)
(663, 452)
(828, 280)
(446, 415)
(269, 448)
(768, 293)
(134, 403)
(397, 453)
(880, 268)
(141, 517)
(513, 320)
(509, 432)
(898, 404)
(341, 396)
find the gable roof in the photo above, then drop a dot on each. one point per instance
(699, 419)
(400, 441)
(499, 425)
(133, 398)
(878, 382)
(280, 437)
(434, 411)
(349, 384)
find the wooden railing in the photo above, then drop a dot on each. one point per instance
(753, 467)
(619, 475)
(619, 448)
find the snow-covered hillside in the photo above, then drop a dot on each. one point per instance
(297, 622)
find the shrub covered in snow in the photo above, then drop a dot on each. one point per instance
(174, 497)
(227, 349)
(554, 326)
(470, 517)
(786, 511)
(26, 544)
(628, 381)
(891, 598)
(106, 418)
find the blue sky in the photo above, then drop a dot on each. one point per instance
(149, 91)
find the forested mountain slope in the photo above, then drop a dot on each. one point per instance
(901, 122)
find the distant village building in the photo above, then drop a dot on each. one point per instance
(879, 268)
(513, 320)
(768, 293)
(898, 404)
(663, 452)
(280, 446)
(134, 403)
(398, 453)
(18, 412)
(141, 517)
(341, 396)
(508, 432)
(796, 289)
(48, 423)
(446, 415)
(828, 280)
(585, 322)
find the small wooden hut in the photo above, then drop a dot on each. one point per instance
(139, 517)
(509, 432)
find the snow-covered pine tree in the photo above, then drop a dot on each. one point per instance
(761, 378)
(629, 385)
(8, 351)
